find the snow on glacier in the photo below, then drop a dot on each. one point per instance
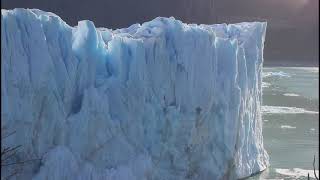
(158, 100)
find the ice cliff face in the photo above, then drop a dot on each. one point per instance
(163, 100)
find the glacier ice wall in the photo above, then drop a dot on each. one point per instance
(161, 100)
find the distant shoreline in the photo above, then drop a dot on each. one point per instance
(288, 64)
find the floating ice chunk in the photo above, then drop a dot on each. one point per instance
(279, 74)
(265, 85)
(291, 94)
(297, 172)
(287, 127)
(285, 110)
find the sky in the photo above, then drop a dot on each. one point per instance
(292, 33)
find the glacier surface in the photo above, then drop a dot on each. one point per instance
(161, 100)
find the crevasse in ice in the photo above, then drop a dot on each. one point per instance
(161, 100)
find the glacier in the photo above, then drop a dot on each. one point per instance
(161, 100)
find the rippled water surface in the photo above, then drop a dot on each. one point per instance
(290, 122)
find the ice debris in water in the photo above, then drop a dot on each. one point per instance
(285, 110)
(279, 74)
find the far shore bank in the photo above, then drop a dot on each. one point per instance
(289, 64)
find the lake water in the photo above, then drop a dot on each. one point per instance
(290, 122)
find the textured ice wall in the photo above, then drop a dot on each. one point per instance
(162, 100)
